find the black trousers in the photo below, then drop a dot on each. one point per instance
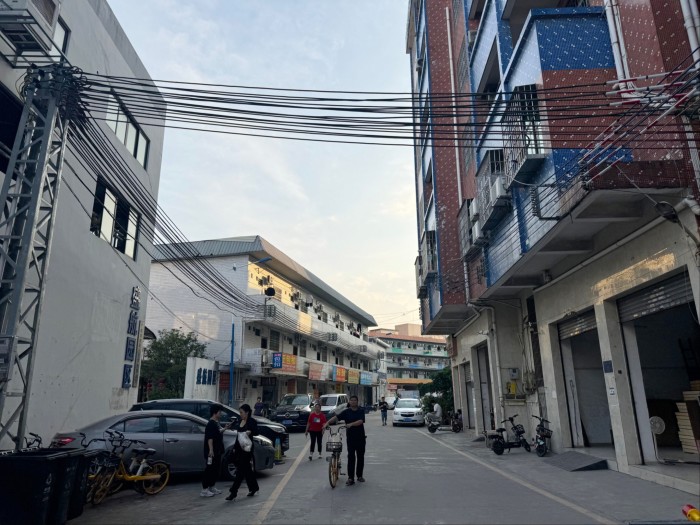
(316, 437)
(356, 456)
(244, 470)
(211, 472)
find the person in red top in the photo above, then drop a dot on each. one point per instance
(315, 424)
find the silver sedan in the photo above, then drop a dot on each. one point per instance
(177, 437)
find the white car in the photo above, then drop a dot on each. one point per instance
(408, 412)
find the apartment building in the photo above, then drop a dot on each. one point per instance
(574, 240)
(294, 334)
(410, 358)
(87, 348)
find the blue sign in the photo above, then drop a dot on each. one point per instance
(126, 376)
(130, 351)
(365, 378)
(206, 376)
(277, 360)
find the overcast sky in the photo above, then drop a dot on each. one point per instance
(345, 212)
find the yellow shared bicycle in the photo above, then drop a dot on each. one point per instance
(334, 445)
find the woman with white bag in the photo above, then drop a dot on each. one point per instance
(246, 427)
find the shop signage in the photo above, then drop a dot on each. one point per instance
(289, 363)
(353, 376)
(316, 371)
(339, 374)
(277, 360)
(365, 378)
(132, 330)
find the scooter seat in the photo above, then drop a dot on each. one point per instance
(500, 429)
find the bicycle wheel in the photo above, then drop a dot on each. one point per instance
(104, 483)
(333, 470)
(498, 447)
(155, 486)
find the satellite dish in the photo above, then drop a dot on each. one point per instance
(657, 425)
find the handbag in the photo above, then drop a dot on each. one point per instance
(244, 441)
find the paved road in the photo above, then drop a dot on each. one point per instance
(412, 477)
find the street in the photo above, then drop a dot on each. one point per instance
(412, 477)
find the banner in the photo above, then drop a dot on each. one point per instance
(289, 363)
(353, 376)
(339, 374)
(316, 371)
(365, 378)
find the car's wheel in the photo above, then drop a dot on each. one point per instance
(498, 447)
(393, 424)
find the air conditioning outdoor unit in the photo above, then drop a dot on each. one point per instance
(478, 235)
(29, 24)
(499, 197)
(473, 210)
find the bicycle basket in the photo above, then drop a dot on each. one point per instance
(519, 430)
(334, 446)
(545, 432)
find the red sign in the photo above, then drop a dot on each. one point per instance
(340, 374)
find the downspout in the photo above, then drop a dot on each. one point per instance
(615, 41)
(690, 11)
(691, 28)
(696, 17)
(454, 101)
(497, 356)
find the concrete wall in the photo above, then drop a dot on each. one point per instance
(80, 350)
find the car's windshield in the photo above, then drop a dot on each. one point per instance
(329, 401)
(295, 400)
(408, 403)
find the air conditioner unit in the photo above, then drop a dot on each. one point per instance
(336, 317)
(473, 210)
(265, 362)
(499, 197)
(478, 235)
(29, 24)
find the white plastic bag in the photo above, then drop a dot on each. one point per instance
(244, 441)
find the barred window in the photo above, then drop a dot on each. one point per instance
(462, 67)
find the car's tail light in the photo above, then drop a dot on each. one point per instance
(62, 442)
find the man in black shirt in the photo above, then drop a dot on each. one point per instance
(383, 407)
(354, 418)
(213, 450)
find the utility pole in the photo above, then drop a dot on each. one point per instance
(28, 199)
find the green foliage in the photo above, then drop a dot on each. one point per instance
(165, 363)
(440, 391)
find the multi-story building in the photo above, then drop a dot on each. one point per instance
(410, 358)
(86, 351)
(570, 218)
(293, 333)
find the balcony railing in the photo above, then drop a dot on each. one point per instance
(492, 200)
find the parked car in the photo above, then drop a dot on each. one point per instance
(177, 437)
(293, 410)
(200, 407)
(333, 404)
(408, 412)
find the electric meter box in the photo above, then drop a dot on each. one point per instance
(513, 373)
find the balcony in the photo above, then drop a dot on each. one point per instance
(493, 201)
(466, 219)
(422, 289)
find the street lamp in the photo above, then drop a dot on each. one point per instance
(233, 341)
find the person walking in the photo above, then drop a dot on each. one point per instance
(314, 424)
(242, 458)
(383, 408)
(259, 405)
(213, 450)
(354, 419)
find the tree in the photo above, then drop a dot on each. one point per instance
(439, 390)
(165, 363)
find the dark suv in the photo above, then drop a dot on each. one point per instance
(200, 407)
(293, 410)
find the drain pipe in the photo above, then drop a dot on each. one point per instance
(615, 41)
(497, 356)
(691, 28)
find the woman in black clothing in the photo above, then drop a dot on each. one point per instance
(243, 459)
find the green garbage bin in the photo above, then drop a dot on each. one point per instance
(28, 484)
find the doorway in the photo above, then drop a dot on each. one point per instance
(487, 415)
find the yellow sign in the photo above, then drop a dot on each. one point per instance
(353, 376)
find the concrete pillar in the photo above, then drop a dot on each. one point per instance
(622, 414)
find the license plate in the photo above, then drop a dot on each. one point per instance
(407, 420)
(287, 422)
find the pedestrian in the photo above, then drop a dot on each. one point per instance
(314, 425)
(355, 423)
(383, 408)
(213, 450)
(259, 405)
(242, 458)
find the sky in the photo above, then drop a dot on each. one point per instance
(345, 212)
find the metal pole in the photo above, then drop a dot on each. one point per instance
(233, 350)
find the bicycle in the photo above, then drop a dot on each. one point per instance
(146, 476)
(334, 445)
(543, 434)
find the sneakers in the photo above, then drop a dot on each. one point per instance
(361, 479)
(206, 493)
(214, 490)
(310, 457)
(350, 482)
(320, 456)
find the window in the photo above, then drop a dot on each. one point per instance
(176, 425)
(114, 220)
(140, 425)
(126, 130)
(60, 40)
(462, 67)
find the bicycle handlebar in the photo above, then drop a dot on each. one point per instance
(511, 418)
(542, 420)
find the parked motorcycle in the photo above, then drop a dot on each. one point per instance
(501, 441)
(434, 425)
(543, 434)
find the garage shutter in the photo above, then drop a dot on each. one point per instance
(577, 325)
(662, 296)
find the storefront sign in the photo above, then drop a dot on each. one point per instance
(132, 330)
(365, 378)
(339, 374)
(316, 371)
(353, 376)
(289, 363)
(277, 360)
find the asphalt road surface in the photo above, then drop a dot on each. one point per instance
(412, 477)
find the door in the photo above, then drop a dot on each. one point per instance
(183, 444)
(143, 428)
(485, 388)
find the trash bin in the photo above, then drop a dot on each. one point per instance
(28, 485)
(79, 492)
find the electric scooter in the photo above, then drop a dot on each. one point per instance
(501, 442)
(543, 434)
(434, 425)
